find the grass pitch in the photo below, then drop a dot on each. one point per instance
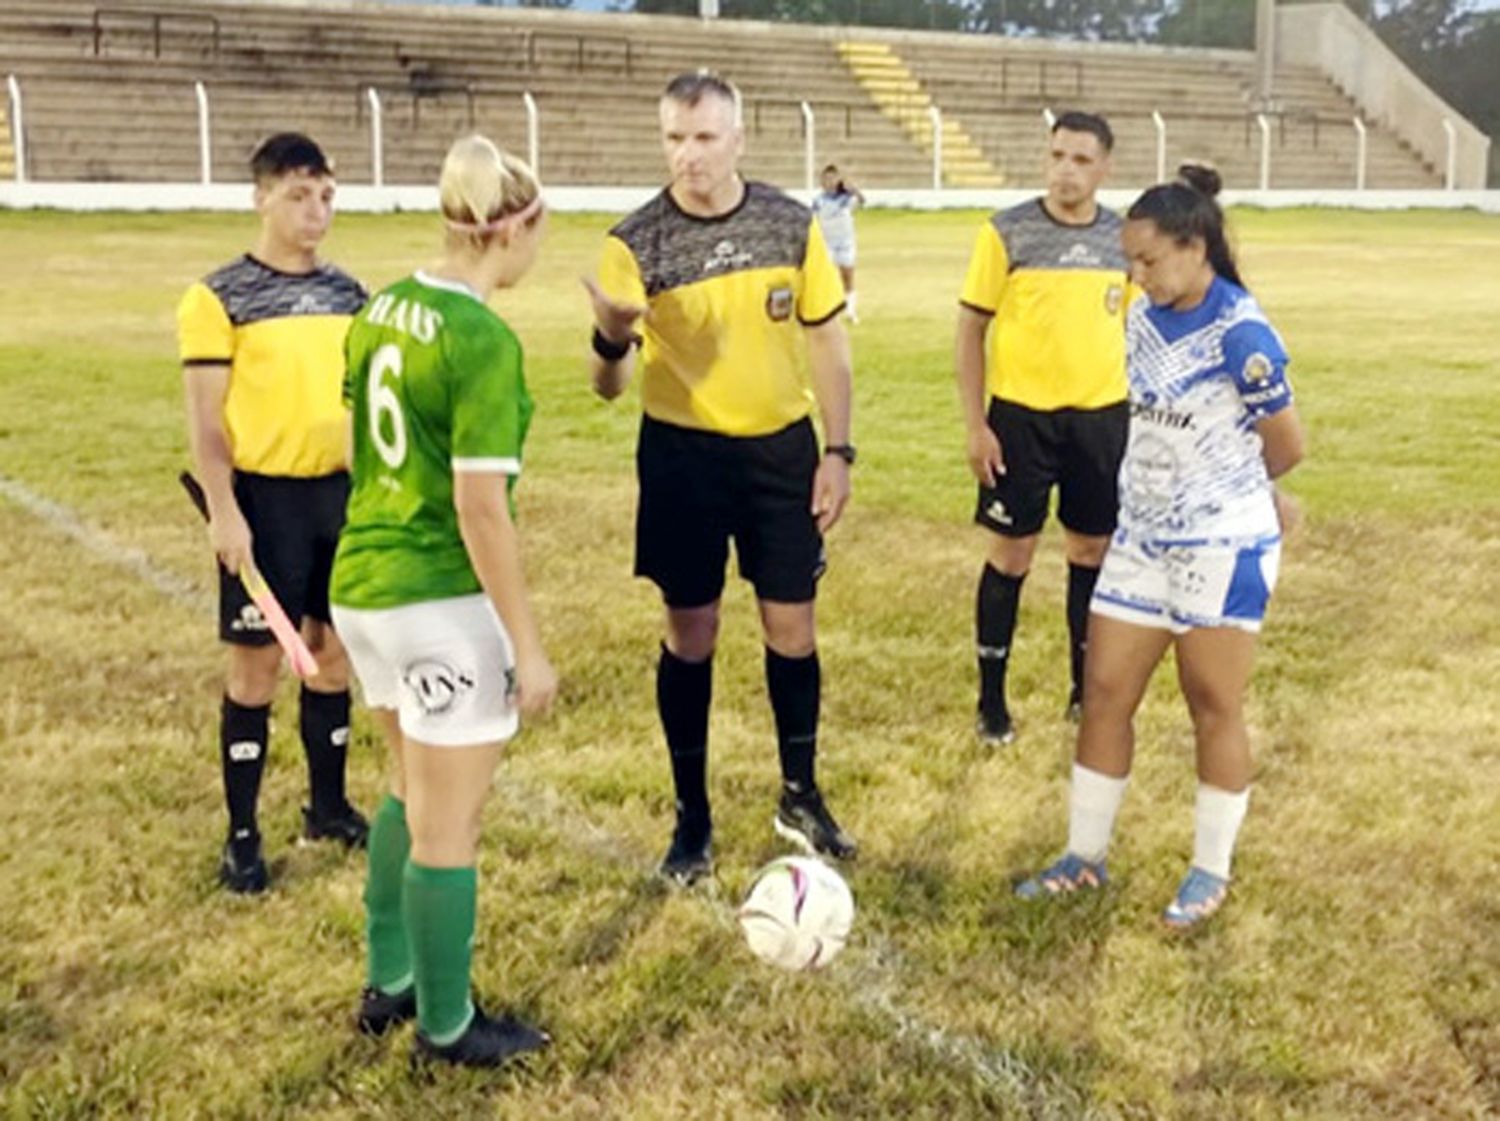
(1354, 973)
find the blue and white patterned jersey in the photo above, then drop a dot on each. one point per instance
(1199, 382)
(835, 211)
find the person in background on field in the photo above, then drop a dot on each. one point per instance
(1044, 407)
(261, 342)
(429, 593)
(1193, 562)
(730, 283)
(834, 207)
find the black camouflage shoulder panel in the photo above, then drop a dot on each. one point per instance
(672, 249)
(1034, 240)
(251, 291)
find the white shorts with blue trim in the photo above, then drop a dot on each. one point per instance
(1182, 586)
(445, 665)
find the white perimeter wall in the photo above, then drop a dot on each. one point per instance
(619, 200)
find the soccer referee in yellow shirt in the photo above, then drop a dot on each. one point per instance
(1045, 406)
(262, 347)
(729, 281)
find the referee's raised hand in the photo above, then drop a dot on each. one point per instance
(616, 320)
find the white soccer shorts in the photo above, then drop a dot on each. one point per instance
(842, 253)
(446, 666)
(1180, 587)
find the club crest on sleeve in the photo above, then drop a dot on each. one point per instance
(1257, 369)
(779, 303)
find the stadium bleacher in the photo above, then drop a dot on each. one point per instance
(109, 94)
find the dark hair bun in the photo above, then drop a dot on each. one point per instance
(1202, 178)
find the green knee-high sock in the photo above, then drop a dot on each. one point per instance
(385, 925)
(439, 907)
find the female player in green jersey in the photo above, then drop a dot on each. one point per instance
(429, 594)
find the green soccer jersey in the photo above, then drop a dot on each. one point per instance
(434, 385)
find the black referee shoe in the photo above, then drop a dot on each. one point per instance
(345, 825)
(690, 857)
(379, 1012)
(241, 868)
(803, 819)
(484, 1043)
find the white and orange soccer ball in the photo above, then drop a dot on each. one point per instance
(798, 913)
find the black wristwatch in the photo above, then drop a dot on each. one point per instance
(843, 451)
(608, 349)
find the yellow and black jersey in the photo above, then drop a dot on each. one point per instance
(1058, 294)
(721, 347)
(282, 336)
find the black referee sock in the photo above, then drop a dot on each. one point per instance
(243, 732)
(796, 686)
(325, 738)
(683, 692)
(1081, 581)
(994, 628)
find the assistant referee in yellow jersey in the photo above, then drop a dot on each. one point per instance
(1045, 405)
(262, 347)
(733, 292)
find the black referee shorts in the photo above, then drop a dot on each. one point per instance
(294, 527)
(1076, 450)
(700, 489)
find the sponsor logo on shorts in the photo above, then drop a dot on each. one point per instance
(997, 512)
(249, 619)
(779, 303)
(244, 751)
(437, 685)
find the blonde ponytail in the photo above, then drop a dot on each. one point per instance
(483, 189)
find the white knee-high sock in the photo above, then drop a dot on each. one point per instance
(1093, 802)
(1217, 817)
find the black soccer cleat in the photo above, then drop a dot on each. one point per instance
(803, 818)
(241, 868)
(690, 857)
(484, 1043)
(995, 731)
(379, 1012)
(345, 825)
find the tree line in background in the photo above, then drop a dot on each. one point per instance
(1449, 45)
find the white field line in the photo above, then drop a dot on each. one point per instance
(869, 972)
(871, 967)
(104, 547)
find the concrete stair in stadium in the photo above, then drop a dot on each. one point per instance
(900, 95)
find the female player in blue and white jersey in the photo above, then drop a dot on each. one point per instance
(428, 593)
(834, 207)
(1195, 556)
